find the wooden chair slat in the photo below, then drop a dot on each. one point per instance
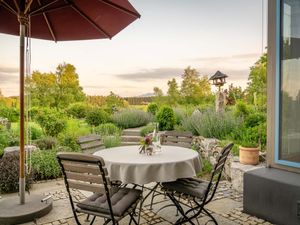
(179, 133)
(179, 144)
(80, 168)
(96, 188)
(178, 139)
(84, 177)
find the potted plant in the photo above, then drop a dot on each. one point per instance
(249, 148)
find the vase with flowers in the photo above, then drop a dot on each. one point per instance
(146, 145)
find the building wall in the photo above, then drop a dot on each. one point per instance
(271, 86)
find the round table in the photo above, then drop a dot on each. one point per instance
(127, 165)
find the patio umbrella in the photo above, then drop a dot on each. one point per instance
(60, 20)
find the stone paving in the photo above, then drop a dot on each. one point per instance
(227, 207)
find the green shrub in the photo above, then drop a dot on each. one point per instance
(206, 169)
(253, 136)
(241, 109)
(46, 143)
(70, 141)
(130, 118)
(34, 111)
(111, 141)
(78, 110)
(255, 119)
(107, 129)
(52, 121)
(1, 152)
(45, 165)
(166, 118)
(77, 127)
(235, 148)
(35, 131)
(210, 124)
(147, 129)
(12, 114)
(97, 116)
(9, 174)
(180, 114)
(152, 108)
(8, 138)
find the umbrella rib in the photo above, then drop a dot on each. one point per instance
(137, 15)
(8, 7)
(17, 6)
(28, 6)
(36, 13)
(48, 24)
(42, 7)
(89, 20)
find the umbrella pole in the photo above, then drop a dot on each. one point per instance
(22, 137)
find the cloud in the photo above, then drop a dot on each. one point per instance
(239, 57)
(9, 70)
(8, 75)
(231, 73)
(151, 74)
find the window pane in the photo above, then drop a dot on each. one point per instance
(290, 81)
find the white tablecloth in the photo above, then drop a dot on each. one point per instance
(127, 165)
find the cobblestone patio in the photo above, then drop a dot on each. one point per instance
(227, 207)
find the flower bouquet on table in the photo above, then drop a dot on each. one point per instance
(146, 145)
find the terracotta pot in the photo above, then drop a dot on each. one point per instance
(249, 156)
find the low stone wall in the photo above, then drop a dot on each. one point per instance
(234, 171)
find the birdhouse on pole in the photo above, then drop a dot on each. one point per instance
(219, 79)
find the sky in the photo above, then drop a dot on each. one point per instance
(208, 35)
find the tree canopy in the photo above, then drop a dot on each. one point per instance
(257, 83)
(193, 87)
(57, 89)
(173, 92)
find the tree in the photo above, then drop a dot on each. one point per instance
(158, 93)
(67, 82)
(193, 87)
(234, 94)
(2, 99)
(57, 89)
(42, 88)
(113, 101)
(96, 100)
(257, 83)
(173, 92)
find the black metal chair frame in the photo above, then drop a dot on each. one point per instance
(187, 216)
(174, 142)
(107, 217)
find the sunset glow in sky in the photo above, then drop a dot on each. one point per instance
(208, 35)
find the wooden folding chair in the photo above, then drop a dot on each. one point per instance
(87, 172)
(200, 192)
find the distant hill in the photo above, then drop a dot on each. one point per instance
(146, 95)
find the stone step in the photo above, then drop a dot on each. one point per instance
(129, 143)
(131, 132)
(131, 138)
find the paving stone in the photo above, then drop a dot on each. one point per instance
(227, 207)
(62, 221)
(223, 205)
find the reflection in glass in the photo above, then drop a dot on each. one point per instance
(290, 81)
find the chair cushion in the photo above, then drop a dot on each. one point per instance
(189, 186)
(121, 199)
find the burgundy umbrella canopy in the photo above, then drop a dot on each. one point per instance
(60, 20)
(64, 20)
